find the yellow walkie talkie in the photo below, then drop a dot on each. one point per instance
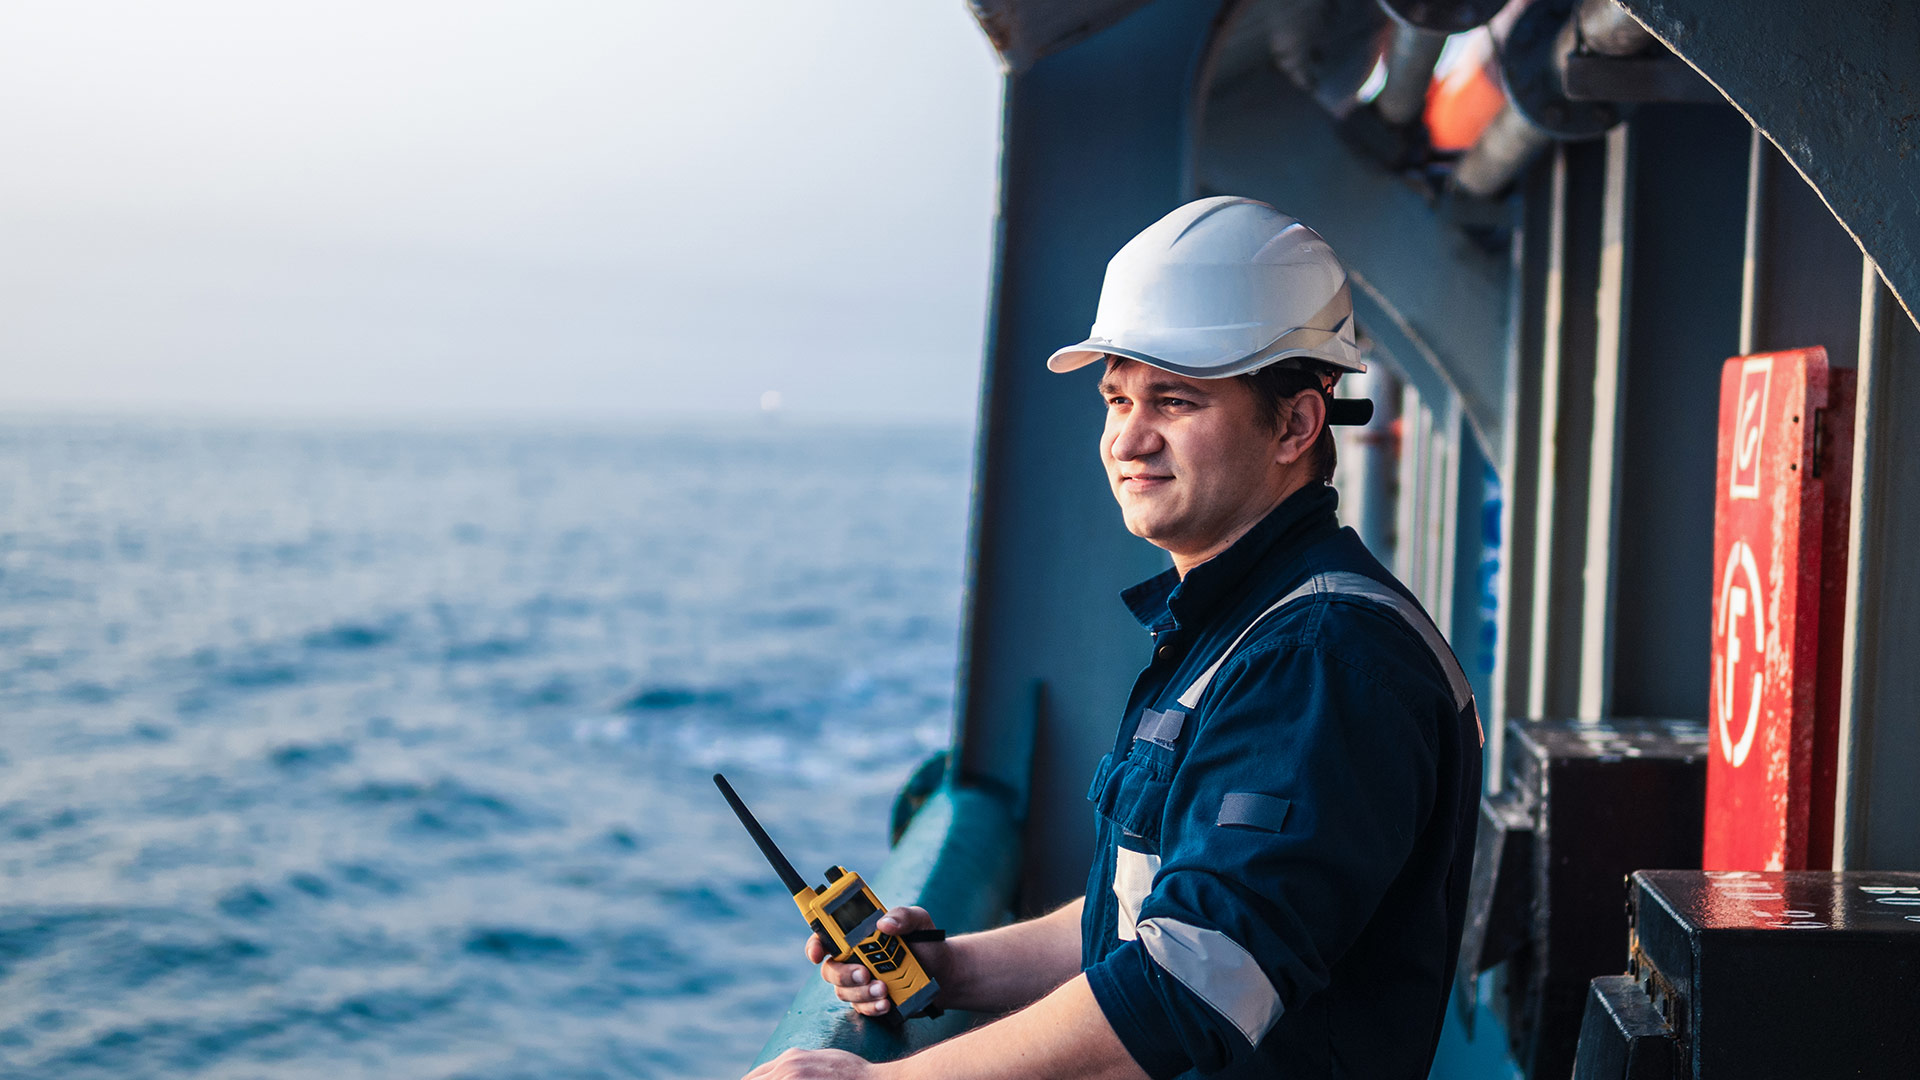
(846, 915)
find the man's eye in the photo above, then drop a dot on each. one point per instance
(1176, 403)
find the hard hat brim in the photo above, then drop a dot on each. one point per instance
(1309, 343)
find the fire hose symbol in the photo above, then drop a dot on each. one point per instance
(1738, 599)
(1749, 428)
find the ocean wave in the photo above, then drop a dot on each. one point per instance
(304, 758)
(445, 807)
(520, 946)
(198, 794)
(20, 821)
(139, 960)
(664, 698)
(486, 650)
(552, 690)
(88, 692)
(260, 675)
(350, 637)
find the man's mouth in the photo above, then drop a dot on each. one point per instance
(1143, 481)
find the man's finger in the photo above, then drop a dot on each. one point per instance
(899, 920)
(816, 949)
(845, 974)
(859, 996)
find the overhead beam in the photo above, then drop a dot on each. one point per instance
(1837, 88)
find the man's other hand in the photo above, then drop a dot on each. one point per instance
(799, 1064)
(856, 986)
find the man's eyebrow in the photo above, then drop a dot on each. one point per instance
(1157, 388)
(1170, 388)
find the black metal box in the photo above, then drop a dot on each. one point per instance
(1623, 1036)
(1584, 803)
(1791, 974)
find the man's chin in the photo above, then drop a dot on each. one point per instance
(1147, 527)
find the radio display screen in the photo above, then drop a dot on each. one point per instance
(853, 910)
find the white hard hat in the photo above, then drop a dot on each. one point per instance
(1221, 287)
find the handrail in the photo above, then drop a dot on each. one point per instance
(959, 859)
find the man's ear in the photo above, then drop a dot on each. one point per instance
(1301, 426)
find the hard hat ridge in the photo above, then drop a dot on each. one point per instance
(1220, 287)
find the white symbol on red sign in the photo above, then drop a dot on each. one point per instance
(1739, 599)
(1755, 377)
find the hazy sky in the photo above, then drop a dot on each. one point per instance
(479, 208)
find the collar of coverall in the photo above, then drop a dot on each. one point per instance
(1166, 602)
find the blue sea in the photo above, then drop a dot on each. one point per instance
(337, 752)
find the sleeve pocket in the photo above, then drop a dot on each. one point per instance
(1252, 810)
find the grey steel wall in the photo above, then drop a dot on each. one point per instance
(1095, 148)
(1682, 319)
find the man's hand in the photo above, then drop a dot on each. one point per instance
(855, 985)
(799, 1064)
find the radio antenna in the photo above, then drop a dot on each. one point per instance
(788, 875)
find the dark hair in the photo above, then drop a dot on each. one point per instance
(1276, 384)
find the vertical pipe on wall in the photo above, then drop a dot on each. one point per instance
(1449, 430)
(1548, 459)
(1566, 432)
(1409, 522)
(1603, 483)
(1467, 550)
(1876, 800)
(1527, 299)
(1757, 173)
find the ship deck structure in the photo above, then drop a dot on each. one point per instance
(1661, 185)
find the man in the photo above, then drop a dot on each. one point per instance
(1285, 825)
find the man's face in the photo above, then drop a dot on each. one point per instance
(1190, 461)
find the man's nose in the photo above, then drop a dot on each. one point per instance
(1136, 436)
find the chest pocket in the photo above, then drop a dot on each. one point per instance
(1131, 793)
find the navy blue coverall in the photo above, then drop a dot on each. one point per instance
(1282, 859)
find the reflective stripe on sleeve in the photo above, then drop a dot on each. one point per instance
(1217, 970)
(1133, 874)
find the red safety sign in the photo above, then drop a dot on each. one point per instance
(1779, 586)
